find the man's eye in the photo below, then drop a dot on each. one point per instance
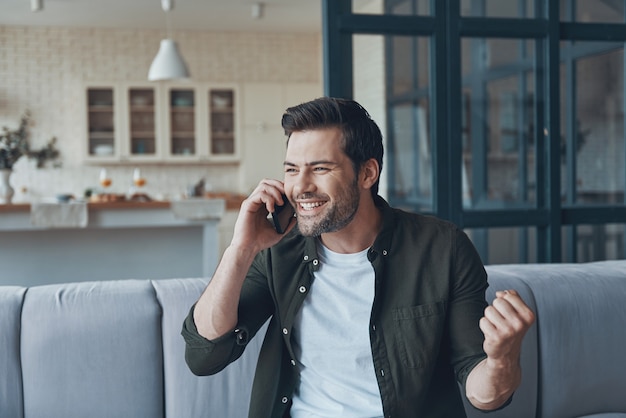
(321, 169)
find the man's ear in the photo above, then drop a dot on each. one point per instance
(370, 171)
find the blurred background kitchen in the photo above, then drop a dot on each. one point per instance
(80, 68)
(56, 61)
(505, 117)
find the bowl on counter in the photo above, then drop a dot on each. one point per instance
(64, 197)
(103, 150)
(140, 101)
(182, 101)
(221, 102)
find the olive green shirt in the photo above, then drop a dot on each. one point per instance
(429, 297)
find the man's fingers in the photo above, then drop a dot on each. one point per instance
(510, 303)
(268, 192)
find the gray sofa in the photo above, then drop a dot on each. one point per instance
(113, 348)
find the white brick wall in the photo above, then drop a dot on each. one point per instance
(45, 70)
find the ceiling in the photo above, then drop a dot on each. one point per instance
(300, 16)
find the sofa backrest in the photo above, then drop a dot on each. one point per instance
(113, 349)
(89, 347)
(109, 349)
(580, 335)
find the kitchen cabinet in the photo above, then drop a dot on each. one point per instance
(144, 122)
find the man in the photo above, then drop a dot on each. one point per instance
(374, 311)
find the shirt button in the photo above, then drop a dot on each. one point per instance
(293, 362)
(284, 399)
(373, 327)
(384, 252)
(302, 289)
(285, 331)
(306, 257)
(315, 262)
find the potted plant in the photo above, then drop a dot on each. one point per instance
(13, 145)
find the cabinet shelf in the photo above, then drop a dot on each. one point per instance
(142, 134)
(223, 110)
(222, 135)
(142, 109)
(102, 134)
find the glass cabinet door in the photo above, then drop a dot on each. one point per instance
(222, 121)
(182, 132)
(142, 126)
(100, 122)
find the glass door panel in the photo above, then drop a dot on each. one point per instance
(182, 122)
(498, 8)
(498, 123)
(222, 121)
(141, 105)
(100, 122)
(406, 121)
(598, 127)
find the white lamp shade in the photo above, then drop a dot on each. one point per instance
(168, 63)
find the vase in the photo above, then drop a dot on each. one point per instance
(6, 191)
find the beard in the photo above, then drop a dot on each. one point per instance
(337, 215)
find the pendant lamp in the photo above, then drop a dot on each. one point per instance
(168, 63)
(36, 5)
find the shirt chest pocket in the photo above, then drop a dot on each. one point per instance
(418, 330)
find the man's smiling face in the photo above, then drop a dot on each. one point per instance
(320, 181)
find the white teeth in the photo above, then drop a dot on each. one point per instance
(310, 206)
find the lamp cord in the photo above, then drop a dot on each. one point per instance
(168, 25)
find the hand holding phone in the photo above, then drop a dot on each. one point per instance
(282, 215)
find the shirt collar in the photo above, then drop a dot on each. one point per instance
(382, 244)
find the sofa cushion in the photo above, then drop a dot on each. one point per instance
(11, 398)
(524, 403)
(226, 394)
(580, 308)
(92, 349)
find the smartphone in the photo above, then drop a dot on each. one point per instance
(282, 215)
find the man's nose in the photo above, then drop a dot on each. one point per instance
(303, 183)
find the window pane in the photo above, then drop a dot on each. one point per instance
(410, 64)
(498, 124)
(597, 129)
(392, 7)
(596, 11)
(408, 135)
(600, 242)
(497, 8)
(369, 86)
(505, 245)
(411, 153)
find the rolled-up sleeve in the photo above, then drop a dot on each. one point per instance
(205, 357)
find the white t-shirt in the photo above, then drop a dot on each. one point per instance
(332, 342)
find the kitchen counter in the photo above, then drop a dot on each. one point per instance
(232, 202)
(121, 240)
